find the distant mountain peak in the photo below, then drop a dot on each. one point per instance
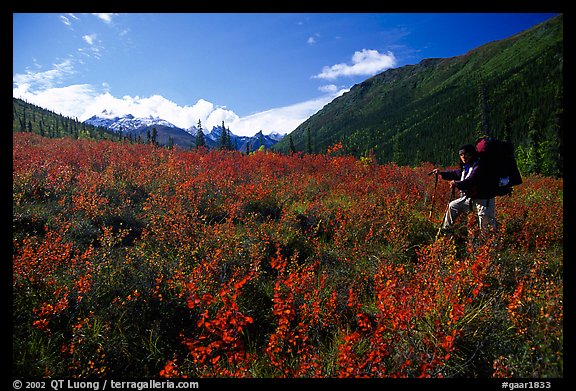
(128, 124)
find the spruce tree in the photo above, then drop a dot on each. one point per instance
(223, 141)
(292, 147)
(559, 126)
(534, 140)
(507, 127)
(200, 139)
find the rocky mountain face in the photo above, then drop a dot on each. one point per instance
(168, 133)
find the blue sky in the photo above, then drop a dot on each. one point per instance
(254, 71)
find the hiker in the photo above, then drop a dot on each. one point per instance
(475, 193)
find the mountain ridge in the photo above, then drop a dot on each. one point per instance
(424, 111)
(28, 117)
(167, 133)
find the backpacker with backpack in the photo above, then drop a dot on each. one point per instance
(497, 157)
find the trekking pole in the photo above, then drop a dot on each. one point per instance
(452, 193)
(433, 194)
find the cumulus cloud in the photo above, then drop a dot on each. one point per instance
(108, 106)
(328, 88)
(82, 101)
(68, 101)
(364, 63)
(283, 119)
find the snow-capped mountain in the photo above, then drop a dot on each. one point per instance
(275, 136)
(240, 143)
(127, 123)
(168, 132)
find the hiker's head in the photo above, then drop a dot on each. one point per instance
(467, 153)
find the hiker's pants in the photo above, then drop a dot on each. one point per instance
(484, 208)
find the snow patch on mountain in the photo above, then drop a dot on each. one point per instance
(126, 123)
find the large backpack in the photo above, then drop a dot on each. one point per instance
(497, 157)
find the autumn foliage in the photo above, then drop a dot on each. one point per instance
(135, 260)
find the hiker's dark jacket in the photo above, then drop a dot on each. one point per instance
(472, 183)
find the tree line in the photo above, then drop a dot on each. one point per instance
(511, 89)
(30, 118)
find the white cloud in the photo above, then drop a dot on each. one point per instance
(89, 39)
(68, 101)
(364, 63)
(328, 88)
(105, 17)
(157, 106)
(282, 119)
(65, 20)
(83, 101)
(43, 80)
(92, 51)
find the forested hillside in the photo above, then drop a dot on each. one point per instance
(30, 118)
(511, 89)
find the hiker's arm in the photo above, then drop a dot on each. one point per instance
(451, 175)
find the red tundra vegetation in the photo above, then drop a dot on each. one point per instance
(133, 260)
